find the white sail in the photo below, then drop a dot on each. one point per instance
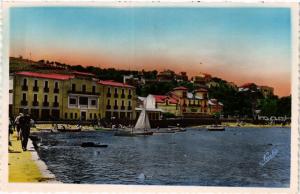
(149, 102)
(143, 121)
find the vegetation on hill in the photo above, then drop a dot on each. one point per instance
(246, 103)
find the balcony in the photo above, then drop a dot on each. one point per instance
(122, 95)
(122, 107)
(82, 92)
(129, 96)
(35, 103)
(55, 104)
(108, 95)
(116, 107)
(108, 107)
(24, 88)
(45, 104)
(116, 95)
(56, 90)
(35, 88)
(24, 103)
(46, 90)
(129, 107)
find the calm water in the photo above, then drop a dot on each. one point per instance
(195, 157)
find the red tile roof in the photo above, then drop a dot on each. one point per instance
(246, 85)
(206, 74)
(180, 88)
(162, 99)
(201, 90)
(115, 84)
(46, 75)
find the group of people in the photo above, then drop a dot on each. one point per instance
(22, 124)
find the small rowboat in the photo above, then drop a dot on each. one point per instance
(92, 144)
(62, 128)
(216, 128)
(69, 130)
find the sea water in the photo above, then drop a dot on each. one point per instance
(252, 157)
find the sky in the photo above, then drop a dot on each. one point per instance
(236, 44)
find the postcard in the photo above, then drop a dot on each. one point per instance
(150, 97)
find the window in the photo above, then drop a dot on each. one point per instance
(116, 103)
(73, 87)
(108, 90)
(72, 101)
(122, 102)
(91, 115)
(71, 115)
(95, 116)
(66, 115)
(75, 115)
(24, 97)
(24, 86)
(93, 102)
(24, 82)
(35, 83)
(46, 84)
(129, 103)
(56, 85)
(108, 102)
(45, 98)
(55, 98)
(83, 100)
(123, 91)
(116, 93)
(83, 88)
(94, 89)
(35, 97)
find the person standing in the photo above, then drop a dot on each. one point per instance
(17, 123)
(25, 122)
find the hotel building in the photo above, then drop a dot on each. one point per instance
(50, 96)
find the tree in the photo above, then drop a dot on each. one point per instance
(284, 106)
(268, 107)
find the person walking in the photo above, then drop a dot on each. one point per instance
(25, 122)
(17, 123)
(10, 131)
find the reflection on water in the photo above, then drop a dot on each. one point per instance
(194, 157)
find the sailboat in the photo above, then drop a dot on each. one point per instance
(141, 127)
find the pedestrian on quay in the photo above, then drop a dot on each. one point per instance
(10, 131)
(25, 123)
(17, 123)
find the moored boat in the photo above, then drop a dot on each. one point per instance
(69, 130)
(215, 128)
(62, 128)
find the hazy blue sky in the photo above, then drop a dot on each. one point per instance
(237, 44)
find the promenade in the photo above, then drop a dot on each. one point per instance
(25, 166)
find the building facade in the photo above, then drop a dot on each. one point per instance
(71, 97)
(182, 103)
(119, 100)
